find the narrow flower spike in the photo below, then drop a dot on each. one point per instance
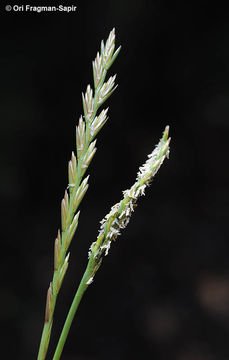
(120, 213)
(88, 127)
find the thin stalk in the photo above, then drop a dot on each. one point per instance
(76, 301)
(44, 343)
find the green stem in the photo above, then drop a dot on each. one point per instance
(42, 350)
(71, 314)
(44, 340)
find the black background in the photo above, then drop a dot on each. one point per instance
(163, 291)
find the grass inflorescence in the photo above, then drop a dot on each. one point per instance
(88, 127)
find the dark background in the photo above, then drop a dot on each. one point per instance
(163, 291)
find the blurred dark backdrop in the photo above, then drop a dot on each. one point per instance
(163, 291)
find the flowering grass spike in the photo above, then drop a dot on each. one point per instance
(88, 127)
(120, 213)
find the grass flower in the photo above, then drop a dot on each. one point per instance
(88, 127)
(120, 213)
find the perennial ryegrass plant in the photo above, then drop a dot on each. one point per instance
(88, 127)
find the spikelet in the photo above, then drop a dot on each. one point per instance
(80, 137)
(107, 50)
(63, 270)
(72, 172)
(98, 123)
(48, 308)
(57, 252)
(106, 90)
(81, 191)
(97, 70)
(88, 104)
(67, 238)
